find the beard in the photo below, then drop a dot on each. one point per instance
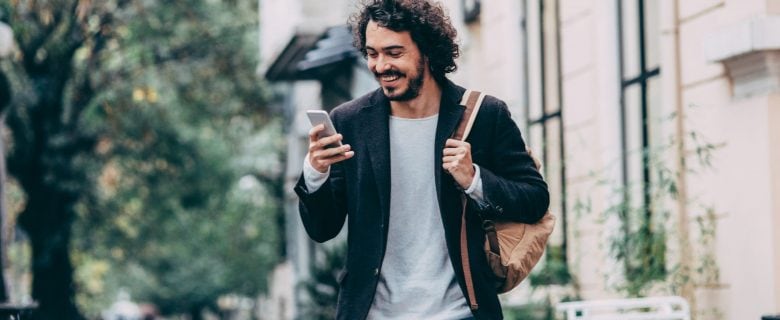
(413, 86)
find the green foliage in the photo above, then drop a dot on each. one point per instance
(185, 216)
(173, 159)
(534, 311)
(322, 288)
(707, 266)
(640, 243)
(554, 270)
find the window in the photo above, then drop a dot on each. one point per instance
(638, 32)
(471, 9)
(542, 65)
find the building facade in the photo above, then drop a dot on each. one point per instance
(657, 122)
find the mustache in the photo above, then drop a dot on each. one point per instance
(389, 73)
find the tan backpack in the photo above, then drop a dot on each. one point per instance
(512, 248)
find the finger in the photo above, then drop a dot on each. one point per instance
(334, 139)
(339, 158)
(455, 151)
(449, 151)
(314, 131)
(449, 159)
(324, 154)
(449, 167)
(330, 152)
(452, 143)
(457, 143)
(537, 163)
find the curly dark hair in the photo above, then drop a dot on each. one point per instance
(427, 23)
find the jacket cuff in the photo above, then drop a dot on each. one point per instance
(313, 178)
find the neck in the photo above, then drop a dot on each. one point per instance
(424, 105)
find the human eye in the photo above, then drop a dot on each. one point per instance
(395, 53)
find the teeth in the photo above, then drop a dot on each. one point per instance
(389, 78)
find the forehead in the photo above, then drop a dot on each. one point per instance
(379, 37)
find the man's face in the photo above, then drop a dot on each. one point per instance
(396, 62)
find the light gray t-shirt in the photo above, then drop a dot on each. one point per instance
(417, 280)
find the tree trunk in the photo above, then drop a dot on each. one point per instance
(196, 312)
(47, 221)
(5, 100)
(3, 253)
(46, 144)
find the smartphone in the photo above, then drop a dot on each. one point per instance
(318, 117)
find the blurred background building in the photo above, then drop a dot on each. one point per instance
(656, 121)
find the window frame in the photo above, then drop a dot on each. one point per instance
(548, 112)
(641, 81)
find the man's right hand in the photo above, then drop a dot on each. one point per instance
(321, 156)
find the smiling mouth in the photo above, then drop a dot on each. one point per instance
(390, 77)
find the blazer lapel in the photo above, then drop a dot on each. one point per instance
(375, 129)
(450, 112)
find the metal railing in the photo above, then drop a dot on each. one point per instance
(653, 308)
(16, 312)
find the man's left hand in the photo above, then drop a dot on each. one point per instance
(456, 161)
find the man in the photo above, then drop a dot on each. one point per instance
(399, 177)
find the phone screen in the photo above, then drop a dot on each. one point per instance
(318, 117)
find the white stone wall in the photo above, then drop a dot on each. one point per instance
(491, 59)
(278, 20)
(279, 303)
(739, 186)
(591, 128)
(774, 177)
(281, 19)
(743, 185)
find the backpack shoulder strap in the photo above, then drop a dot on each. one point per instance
(472, 100)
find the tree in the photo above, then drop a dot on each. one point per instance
(142, 93)
(322, 290)
(47, 142)
(182, 248)
(196, 119)
(5, 99)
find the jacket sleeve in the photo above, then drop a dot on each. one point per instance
(323, 212)
(512, 186)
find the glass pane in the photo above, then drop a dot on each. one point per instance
(633, 152)
(553, 163)
(551, 56)
(654, 115)
(630, 29)
(652, 34)
(535, 53)
(655, 122)
(536, 142)
(547, 149)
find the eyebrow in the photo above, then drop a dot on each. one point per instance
(386, 48)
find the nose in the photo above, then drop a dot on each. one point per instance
(381, 65)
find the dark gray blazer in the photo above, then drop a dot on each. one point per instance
(360, 187)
